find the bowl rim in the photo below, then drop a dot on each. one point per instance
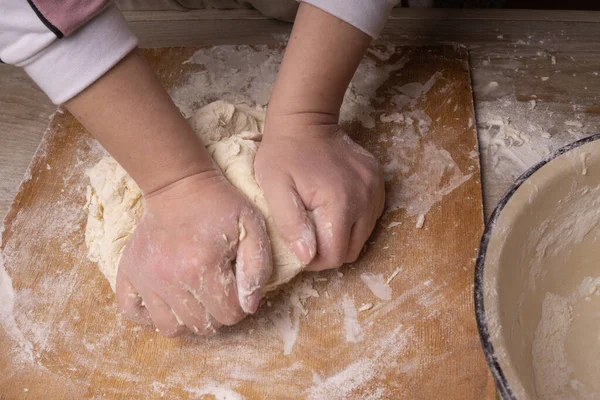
(502, 384)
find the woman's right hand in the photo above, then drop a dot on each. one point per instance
(197, 260)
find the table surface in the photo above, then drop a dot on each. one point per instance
(535, 77)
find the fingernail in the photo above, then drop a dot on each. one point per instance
(302, 251)
(250, 303)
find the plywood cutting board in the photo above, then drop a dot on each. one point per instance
(62, 337)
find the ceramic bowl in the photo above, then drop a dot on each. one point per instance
(537, 281)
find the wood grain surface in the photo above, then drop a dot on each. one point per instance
(63, 337)
(24, 111)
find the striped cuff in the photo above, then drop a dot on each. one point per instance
(71, 64)
(369, 16)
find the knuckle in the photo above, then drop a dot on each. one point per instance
(345, 200)
(292, 224)
(336, 260)
(363, 198)
(172, 332)
(130, 314)
(205, 329)
(373, 180)
(201, 331)
(232, 318)
(352, 257)
(126, 308)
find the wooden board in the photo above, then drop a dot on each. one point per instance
(62, 337)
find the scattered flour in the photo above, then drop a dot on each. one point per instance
(286, 317)
(354, 332)
(422, 187)
(245, 74)
(344, 383)
(419, 173)
(219, 392)
(359, 97)
(393, 275)
(532, 104)
(552, 370)
(549, 357)
(513, 137)
(392, 117)
(236, 74)
(415, 90)
(7, 302)
(507, 112)
(377, 285)
(584, 168)
(420, 221)
(552, 239)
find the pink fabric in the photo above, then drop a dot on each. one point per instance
(69, 15)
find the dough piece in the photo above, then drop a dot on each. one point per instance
(115, 205)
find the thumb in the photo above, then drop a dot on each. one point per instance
(293, 223)
(254, 264)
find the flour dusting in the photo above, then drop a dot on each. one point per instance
(359, 98)
(418, 172)
(236, 74)
(555, 378)
(354, 331)
(7, 301)
(516, 131)
(219, 392)
(286, 316)
(341, 385)
(393, 275)
(549, 357)
(377, 285)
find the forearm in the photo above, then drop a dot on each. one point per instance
(321, 57)
(133, 117)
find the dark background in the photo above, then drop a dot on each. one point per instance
(522, 4)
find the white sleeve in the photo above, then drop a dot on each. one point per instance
(367, 15)
(65, 67)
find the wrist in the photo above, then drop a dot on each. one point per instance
(171, 170)
(302, 125)
(298, 120)
(186, 185)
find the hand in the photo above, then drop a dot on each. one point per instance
(325, 192)
(178, 268)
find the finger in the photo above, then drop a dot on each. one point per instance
(381, 206)
(377, 210)
(333, 236)
(130, 301)
(293, 222)
(216, 289)
(253, 263)
(193, 315)
(360, 232)
(162, 315)
(363, 228)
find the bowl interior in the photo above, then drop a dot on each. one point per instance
(541, 281)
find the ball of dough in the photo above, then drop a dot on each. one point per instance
(232, 134)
